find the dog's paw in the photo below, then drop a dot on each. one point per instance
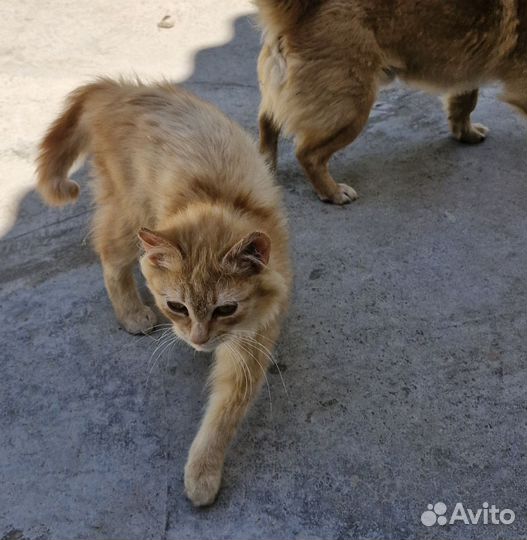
(139, 322)
(202, 481)
(474, 135)
(344, 195)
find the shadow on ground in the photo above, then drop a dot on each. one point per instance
(403, 354)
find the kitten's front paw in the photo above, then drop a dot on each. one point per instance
(475, 134)
(202, 481)
(344, 195)
(139, 322)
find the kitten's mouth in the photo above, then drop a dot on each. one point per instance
(210, 345)
(206, 347)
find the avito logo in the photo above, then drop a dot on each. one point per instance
(437, 513)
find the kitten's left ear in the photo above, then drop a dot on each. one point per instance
(251, 254)
(159, 250)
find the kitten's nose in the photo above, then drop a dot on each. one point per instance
(199, 334)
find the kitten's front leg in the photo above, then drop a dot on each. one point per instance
(238, 373)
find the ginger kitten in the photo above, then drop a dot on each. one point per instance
(175, 177)
(322, 62)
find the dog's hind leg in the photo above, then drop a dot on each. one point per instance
(269, 134)
(313, 152)
(459, 108)
(516, 93)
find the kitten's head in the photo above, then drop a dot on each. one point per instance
(211, 281)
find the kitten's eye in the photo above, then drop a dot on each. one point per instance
(178, 308)
(225, 311)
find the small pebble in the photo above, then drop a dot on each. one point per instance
(166, 22)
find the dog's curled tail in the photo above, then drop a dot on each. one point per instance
(66, 140)
(283, 14)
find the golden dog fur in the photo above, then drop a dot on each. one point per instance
(322, 63)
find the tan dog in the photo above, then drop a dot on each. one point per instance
(323, 61)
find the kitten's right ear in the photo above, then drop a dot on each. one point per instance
(251, 254)
(158, 249)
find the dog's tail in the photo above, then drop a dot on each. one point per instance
(283, 14)
(66, 140)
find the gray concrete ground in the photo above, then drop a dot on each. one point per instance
(403, 354)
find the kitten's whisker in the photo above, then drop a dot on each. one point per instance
(264, 350)
(166, 346)
(159, 342)
(240, 344)
(236, 359)
(166, 341)
(248, 379)
(236, 364)
(153, 365)
(252, 342)
(262, 347)
(171, 348)
(247, 373)
(252, 333)
(141, 338)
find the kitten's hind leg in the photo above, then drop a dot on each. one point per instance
(118, 251)
(269, 134)
(459, 108)
(239, 370)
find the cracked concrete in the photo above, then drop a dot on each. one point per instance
(403, 354)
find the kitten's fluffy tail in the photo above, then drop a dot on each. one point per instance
(66, 140)
(283, 14)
